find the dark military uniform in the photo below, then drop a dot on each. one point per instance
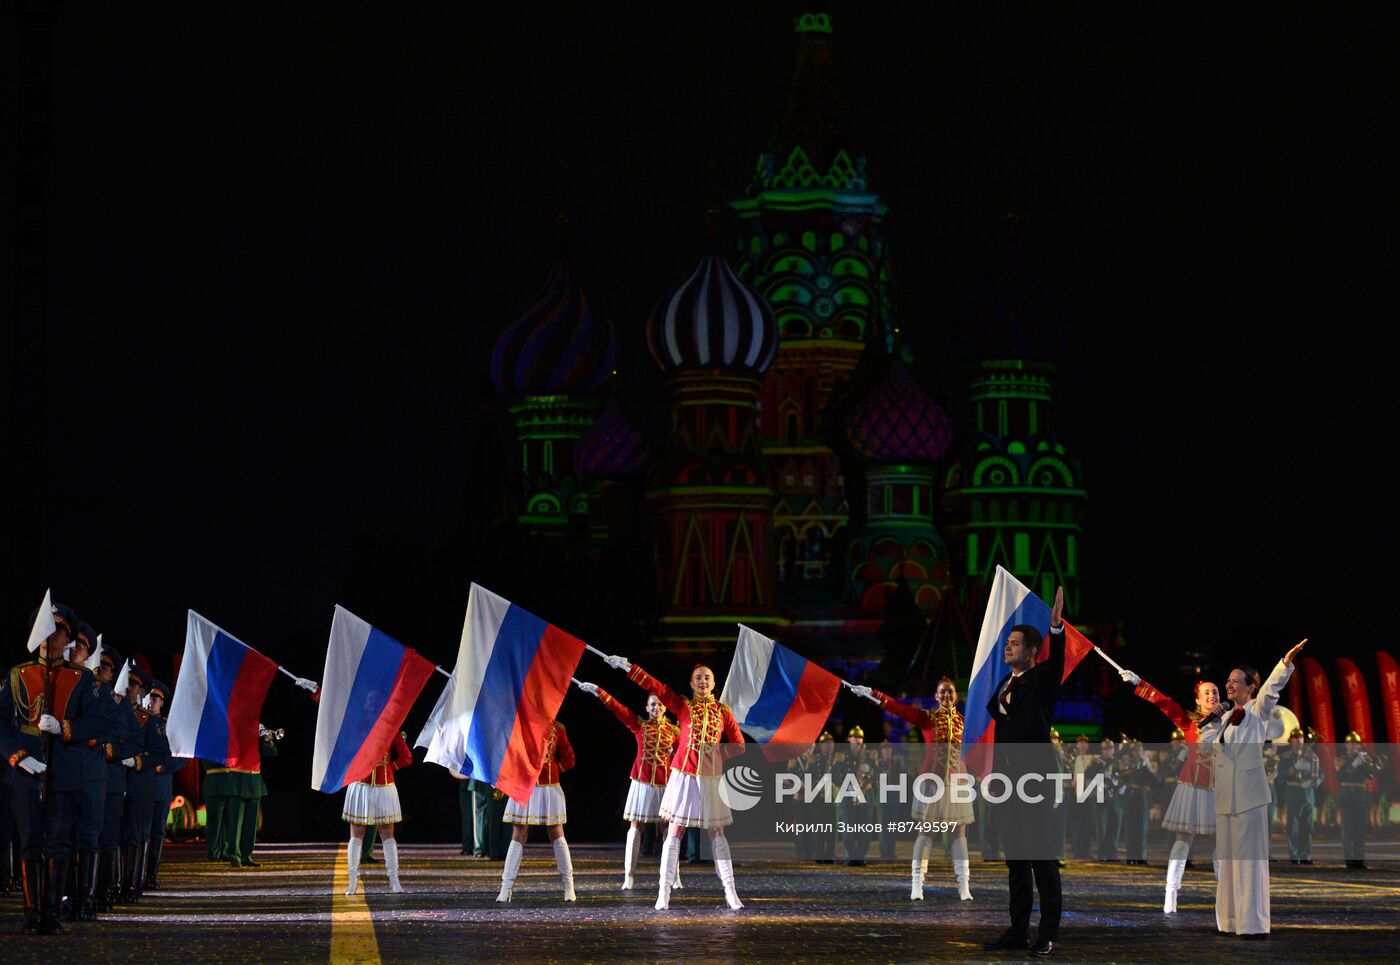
(245, 790)
(164, 785)
(115, 750)
(87, 829)
(146, 734)
(852, 811)
(493, 835)
(820, 812)
(46, 806)
(1138, 785)
(1299, 772)
(1353, 771)
(1108, 813)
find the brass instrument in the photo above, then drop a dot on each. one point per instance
(276, 735)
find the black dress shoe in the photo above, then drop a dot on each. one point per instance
(1227, 934)
(1044, 948)
(250, 863)
(1306, 861)
(1008, 940)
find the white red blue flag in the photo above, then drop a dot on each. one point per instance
(512, 672)
(1008, 604)
(218, 698)
(777, 695)
(369, 685)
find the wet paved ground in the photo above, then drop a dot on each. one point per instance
(291, 910)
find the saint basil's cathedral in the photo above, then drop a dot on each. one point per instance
(808, 487)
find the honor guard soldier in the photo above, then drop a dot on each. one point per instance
(150, 750)
(820, 811)
(48, 712)
(855, 812)
(114, 750)
(1353, 771)
(246, 789)
(164, 785)
(87, 828)
(1138, 785)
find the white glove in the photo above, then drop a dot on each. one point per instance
(619, 663)
(588, 688)
(307, 684)
(49, 724)
(863, 691)
(1129, 677)
(128, 762)
(262, 731)
(31, 766)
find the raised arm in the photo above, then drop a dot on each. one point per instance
(624, 714)
(914, 715)
(673, 701)
(1266, 700)
(1170, 708)
(1052, 671)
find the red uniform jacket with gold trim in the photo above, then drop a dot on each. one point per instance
(1198, 769)
(656, 740)
(706, 725)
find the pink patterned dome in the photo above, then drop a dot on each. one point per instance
(898, 422)
(611, 446)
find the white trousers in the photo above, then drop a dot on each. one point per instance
(1242, 887)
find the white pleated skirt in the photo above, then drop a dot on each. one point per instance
(370, 804)
(944, 809)
(643, 802)
(546, 807)
(694, 802)
(1192, 809)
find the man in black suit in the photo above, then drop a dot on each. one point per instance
(1021, 710)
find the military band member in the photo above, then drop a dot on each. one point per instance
(374, 802)
(889, 766)
(546, 808)
(1299, 773)
(48, 713)
(656, 740)
(1081, 812)
(1108, 809)
(942, 730)
(1139, 783)
(821, 813)
(692, 798)
(164, 788)
(857, 762)
(1191, 810)
(1354, 770)
(87, 828)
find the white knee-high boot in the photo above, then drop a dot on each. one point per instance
(918, 867)
(629, 857)
(391, 864)
(724, 869)
(1176, 866)
(511, 869)
(352, 864)
(566, 867)
(670, 861)
(961, 869)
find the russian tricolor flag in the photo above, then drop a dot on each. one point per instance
(512, 672)
(218, 697)
(777, 696)
(1008, 604)
(370, 683)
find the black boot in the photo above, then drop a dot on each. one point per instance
(106, 880)
(68, 909)
(137, 878)
(154, 847)
(29, 887)
(126, 894)
(87, 885)
(55, 876)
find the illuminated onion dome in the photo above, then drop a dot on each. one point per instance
(713, 321)
(557, 346)
(1013, 314)
(611, 446)
(898, 422)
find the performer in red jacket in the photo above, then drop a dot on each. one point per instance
(942, 729)
(692, 798)
(546, 807)
(375, 801)
(656, 740)
(1191, 810)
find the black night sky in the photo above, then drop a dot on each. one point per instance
(281, 242)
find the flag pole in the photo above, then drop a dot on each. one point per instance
(441, 671)
(595, 650)
(1111, 662)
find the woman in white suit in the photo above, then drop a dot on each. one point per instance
(1237, 730)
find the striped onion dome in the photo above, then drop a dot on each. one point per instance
(713, 321)
(611, 446)
(898, 422)
(557, 346)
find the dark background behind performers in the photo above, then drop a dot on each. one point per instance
(281, 243)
